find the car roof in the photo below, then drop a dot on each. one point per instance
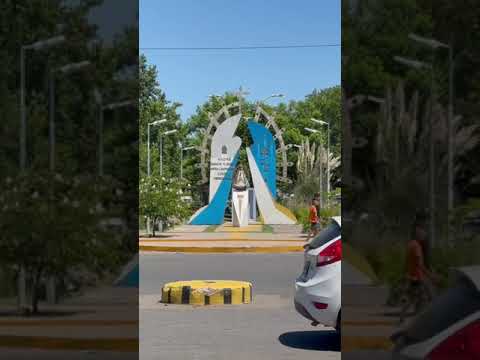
(471, 273)
(338, 220)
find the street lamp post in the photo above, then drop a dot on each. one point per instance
(182, 149)
(272, 96)
(422, 65)
(321, 122)
(42, 44)
(51, 283)
(435, 44)
(154, 123)
(314, 131)
(169, 132)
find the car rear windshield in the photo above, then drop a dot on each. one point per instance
(454, 305)
(331, 232)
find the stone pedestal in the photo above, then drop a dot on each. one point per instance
(240, 208)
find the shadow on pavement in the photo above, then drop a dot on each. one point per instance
(312, 340)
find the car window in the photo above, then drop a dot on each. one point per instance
(454, 305)
(329, 233)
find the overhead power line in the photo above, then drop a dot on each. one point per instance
(242, 47)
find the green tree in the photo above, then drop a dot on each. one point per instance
(163, 200)
(155, 106)
(52, 225)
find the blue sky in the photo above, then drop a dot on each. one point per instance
(190, 76)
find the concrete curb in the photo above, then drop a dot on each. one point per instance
(370, 323)
(76, 322)
(54, 343)
(155, 240)
(350, 343)
(222, 249)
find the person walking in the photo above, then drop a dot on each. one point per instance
(419, 276)
(313, 219)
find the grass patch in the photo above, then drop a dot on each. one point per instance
(267, 229)
(211, 228)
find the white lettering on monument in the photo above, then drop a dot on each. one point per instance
(224, 148)
(220, 167)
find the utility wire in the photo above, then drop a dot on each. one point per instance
(242, 47)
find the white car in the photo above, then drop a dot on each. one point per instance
(318, 290)
(449, 328)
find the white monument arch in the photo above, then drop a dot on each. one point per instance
(223, 156)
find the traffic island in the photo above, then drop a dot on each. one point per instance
(207, 292)
(225, 243)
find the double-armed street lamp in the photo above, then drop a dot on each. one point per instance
(153, 123)
(65, 69)
(434, 45)
(39, 45)
(420, 65)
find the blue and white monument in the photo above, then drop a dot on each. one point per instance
(223, 161)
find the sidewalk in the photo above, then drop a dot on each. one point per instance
(368, 322)
(102, 319)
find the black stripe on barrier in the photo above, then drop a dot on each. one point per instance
(207, 300)
(169, 296)
(243, 295)
(227, 296)
(186, 294)
(251, 293)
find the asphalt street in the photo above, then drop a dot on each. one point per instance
(269, 328)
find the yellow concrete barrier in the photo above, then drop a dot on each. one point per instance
(207, 292)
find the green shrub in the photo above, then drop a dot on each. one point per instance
(301, 213)
(388, 263)
(327, 213)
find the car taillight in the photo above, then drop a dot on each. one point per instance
(320, 306)
(463, 345)
(332, 253)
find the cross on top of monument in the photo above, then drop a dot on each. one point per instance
(241, 91)
(240, 94)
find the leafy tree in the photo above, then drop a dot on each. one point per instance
(41, 234)
(162, 200)
(155, 106)
(52, 225)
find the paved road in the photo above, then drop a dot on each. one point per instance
(268, 329)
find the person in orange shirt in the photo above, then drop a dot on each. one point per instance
(313, 219)
(418, 275)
